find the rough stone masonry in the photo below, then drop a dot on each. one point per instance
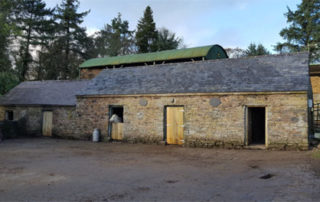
(205, 125)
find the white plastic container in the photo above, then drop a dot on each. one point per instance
(95, 135)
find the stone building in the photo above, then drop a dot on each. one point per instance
(227, 102)
(46, 107)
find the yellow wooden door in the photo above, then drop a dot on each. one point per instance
(47, 123)
(175, 125)
(116, 133)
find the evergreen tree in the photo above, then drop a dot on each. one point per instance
(33, 20)
(8, 80)
(255, 50)
(167, 40)
(71, 40)
(115, 39)
(7, 28)
(53, 61)
(146, 35)
(303, 33)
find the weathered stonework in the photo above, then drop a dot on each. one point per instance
(89, 73)
(63, 119)
(2, 113)
(315, 83)
(205, 125)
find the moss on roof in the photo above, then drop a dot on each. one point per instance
(208, 52)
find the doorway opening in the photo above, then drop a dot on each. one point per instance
(115, 123)
(9, 115)
(47, 117)
(256, 125)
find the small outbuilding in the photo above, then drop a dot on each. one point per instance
(227, 102)
(44, 107)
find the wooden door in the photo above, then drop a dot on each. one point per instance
(47, 123)
(175, 125)
(116, 133)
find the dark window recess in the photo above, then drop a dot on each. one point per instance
(118, 110)
(9, 115)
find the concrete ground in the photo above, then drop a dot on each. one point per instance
(63, 170)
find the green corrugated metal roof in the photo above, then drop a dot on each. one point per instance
(209, 52)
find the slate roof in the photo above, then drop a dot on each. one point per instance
(274, 73)
(58, 93)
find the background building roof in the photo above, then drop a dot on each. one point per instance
(315, 70)
(274, 73)
(206, 52)
(61, 93)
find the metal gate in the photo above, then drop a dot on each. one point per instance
(315, 115)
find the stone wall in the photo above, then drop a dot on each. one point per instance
(64, 122)
(205, 125)
(315, 83)
(2, 113)
(63, 119)
(89, 73)
(209, 121)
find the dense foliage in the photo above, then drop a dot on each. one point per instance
(6, 30)
(255, 50)
(167, 40)
(303, 33)
(115, 39)
(147, 34)
(8, 80)
(39, 43)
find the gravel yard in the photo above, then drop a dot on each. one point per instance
(53, 169)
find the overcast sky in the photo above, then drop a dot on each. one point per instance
(229, 23)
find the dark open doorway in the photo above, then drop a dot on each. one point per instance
(256, 125)
(115, 122)
(118, 110)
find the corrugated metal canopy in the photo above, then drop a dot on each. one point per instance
(208, 52)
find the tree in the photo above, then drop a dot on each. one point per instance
(146, 35)
(53, 61)
(115, 39)
(7, 28)
(303, 33)
(33, 21)
(167, 40)
(71, 40)
(254, 50)
(8, 80)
